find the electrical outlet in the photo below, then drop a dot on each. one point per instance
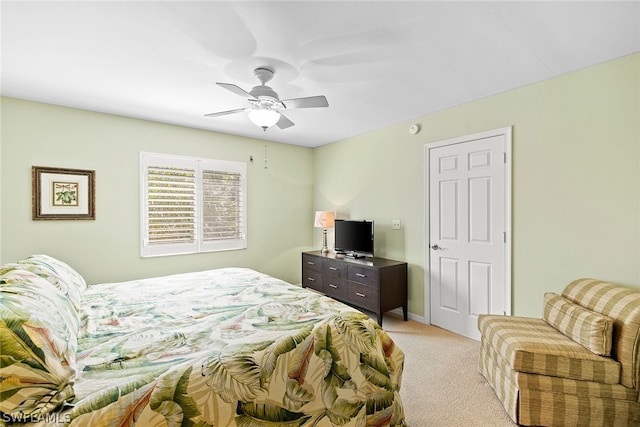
(395, 224)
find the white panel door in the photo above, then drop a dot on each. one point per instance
(468, 225)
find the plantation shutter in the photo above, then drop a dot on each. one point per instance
(172, 205)
(191, 205)
(223, 205)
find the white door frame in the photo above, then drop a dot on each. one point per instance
(506, 132)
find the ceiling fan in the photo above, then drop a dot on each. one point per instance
(265, 108)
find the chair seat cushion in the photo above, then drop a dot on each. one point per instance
(545, 383)
(533, 346)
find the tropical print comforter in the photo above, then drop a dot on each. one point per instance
(227, 347)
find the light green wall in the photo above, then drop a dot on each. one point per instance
(576, 185)
(107, 249)
(576, 180)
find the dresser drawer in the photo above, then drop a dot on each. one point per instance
(366, 275)
(335, 268)
(363, 296)
(335, 287)
(311, 262)
(312, 279)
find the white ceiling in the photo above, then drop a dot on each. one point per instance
(378, 62)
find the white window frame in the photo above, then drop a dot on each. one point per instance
(198, 165)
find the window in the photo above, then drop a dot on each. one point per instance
(191, 205)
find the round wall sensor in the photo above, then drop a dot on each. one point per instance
(414, 129)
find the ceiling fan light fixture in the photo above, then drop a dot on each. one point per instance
(264, 118)
(264, 103)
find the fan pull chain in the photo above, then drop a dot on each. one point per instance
(265, 156)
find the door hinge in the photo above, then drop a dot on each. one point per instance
(504, 157)
(504, 236)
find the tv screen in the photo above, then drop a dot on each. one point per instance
(353, 237)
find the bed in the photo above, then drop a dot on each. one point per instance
(225, 347)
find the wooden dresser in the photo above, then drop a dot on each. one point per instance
(372, 284)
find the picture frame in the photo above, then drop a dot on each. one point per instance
(63, 194)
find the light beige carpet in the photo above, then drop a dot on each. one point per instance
(441, 385)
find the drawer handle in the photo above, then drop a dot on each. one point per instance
(331, 285)
(333, 268)
(361, 275)
(360, 295)
(311, 279)
(311, 263)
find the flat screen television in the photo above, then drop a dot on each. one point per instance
(354, 237)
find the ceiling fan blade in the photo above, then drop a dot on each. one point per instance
(237, 90)
(224, 113)
(284, 123)
(308, 102)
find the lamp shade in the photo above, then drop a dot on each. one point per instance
(324, 219)
(264, 118)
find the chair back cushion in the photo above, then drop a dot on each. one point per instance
(622, 305)
(590, 329)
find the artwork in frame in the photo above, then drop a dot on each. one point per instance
(60, 193)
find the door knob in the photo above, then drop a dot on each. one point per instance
(435, 247)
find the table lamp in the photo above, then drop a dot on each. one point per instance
(324, 220)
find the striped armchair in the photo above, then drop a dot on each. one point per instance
(577, 366)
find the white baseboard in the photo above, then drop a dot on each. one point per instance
(398, 313)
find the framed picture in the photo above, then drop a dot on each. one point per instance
(62, 193)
